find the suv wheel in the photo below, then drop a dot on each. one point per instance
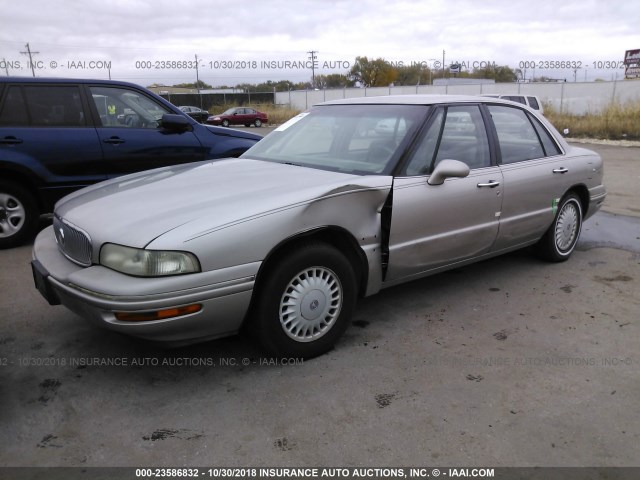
(18, 215)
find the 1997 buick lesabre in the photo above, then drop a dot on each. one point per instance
(340, 202)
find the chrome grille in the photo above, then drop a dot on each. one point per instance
(72, 242)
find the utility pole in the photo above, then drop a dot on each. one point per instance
(6, 67)
(30, 53)
(198, 81)
(312, 57)
(442, 63)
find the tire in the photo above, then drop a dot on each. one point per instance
(559, 241)
(305, 302)
(247, 125)
(225, 123)
(18, 215)
(257, 122)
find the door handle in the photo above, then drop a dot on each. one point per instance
(560, 170)
(114, 140)
(10, 141)
(491, 184)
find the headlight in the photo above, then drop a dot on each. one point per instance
(147, 263)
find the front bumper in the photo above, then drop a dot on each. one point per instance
(96, 293)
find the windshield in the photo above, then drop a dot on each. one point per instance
(358, 139)
(231, 111)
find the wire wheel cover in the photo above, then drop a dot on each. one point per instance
(567, 227)
(311, 304)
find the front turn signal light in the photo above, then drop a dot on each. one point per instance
(157, 314)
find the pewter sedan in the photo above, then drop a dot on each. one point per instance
(340, 202)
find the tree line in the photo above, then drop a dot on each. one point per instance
(378, 72)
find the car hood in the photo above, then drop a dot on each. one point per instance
(200, 198)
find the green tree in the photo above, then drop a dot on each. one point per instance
(199, 84)
(413, 75)
(372, 73)
(500, 73)
(270, 85)
(333, 80)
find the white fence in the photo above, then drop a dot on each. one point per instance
(577, 98)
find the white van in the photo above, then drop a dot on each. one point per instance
(528, 100)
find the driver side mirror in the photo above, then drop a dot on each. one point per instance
(448, 169)
(172, 121)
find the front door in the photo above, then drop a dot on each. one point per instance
(130, 133)
(437, 225)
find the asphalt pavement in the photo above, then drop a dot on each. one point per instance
(508, 362)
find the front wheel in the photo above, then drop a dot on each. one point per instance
(225, 123)
(561, 238)
(305, 302)
(18, 215)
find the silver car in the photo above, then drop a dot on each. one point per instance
(328, 208)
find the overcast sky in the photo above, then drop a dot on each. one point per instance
(133, 35)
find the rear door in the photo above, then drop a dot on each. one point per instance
(131, 138)
(46, 129)
(536, 175)
(241, 117)
(437, 225)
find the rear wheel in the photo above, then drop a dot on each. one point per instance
(18, 215)
(560, 239)
(257, 122)
(305, 302)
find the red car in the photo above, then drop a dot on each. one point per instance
(239, 116)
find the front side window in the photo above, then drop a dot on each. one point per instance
(456, 133)
(120, 107)
(516, 134)
(358, 139)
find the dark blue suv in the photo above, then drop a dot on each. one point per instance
(59, 135)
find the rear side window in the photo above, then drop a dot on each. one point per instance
(518, 138)
(550, 146)
(14, 108)
(533, 103)
(515, 98)
(43, 106)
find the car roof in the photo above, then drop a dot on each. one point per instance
(59, 80)
(415, 100)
